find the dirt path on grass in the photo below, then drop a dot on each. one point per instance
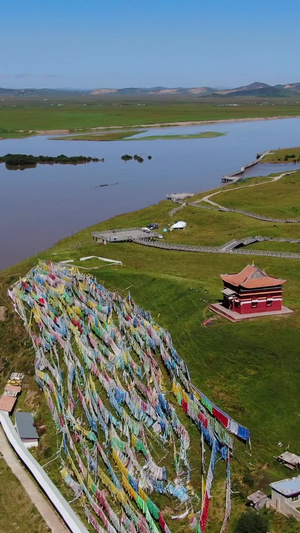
(45, 509)
(173, 211)
(50, 132)
(208, 197)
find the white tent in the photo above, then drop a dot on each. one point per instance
(179, 225)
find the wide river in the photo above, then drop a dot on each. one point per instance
(42, 205)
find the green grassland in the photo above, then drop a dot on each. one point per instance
(15, 134)
(277, 246)
(79, 114)
(280, 199)
(17, 512)
(206, 227)
(285, 155)
(250, 369)
(241, 183)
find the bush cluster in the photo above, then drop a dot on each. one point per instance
(251, 522)
(127, 157)
(32, 160)
(287, 157)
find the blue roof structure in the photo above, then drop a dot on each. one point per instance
(287, 487)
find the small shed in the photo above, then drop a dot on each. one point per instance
(257, 500)
(290, 460)
(7, 403)
(27, 432)
(16, 378)
(12, 390)
(9, 396)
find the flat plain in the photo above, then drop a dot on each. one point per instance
(24, 116)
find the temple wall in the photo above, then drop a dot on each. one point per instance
(246, 306)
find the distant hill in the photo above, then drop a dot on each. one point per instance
(244, 89)
(154, 90)
(253, 89)
(40, 92)
(290, 87)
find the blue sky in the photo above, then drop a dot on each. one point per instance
(130, 43)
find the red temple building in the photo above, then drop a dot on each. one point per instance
(250, 293)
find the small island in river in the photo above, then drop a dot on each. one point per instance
(22, 161)
(181, 136)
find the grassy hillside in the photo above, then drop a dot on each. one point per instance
(279, 200)
(250, 369)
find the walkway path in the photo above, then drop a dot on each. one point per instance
(214, 249)
(175, 209)
(239, 175)
(208, 200)
(231, 247)
(208, 196)
(37, 498)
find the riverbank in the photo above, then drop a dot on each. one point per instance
(282, 155)
(21, 133)
(171, 124)
(216, 121)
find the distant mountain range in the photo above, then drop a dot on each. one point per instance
(262, 89)
(254, 89)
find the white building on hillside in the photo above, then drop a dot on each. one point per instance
(285, 497)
